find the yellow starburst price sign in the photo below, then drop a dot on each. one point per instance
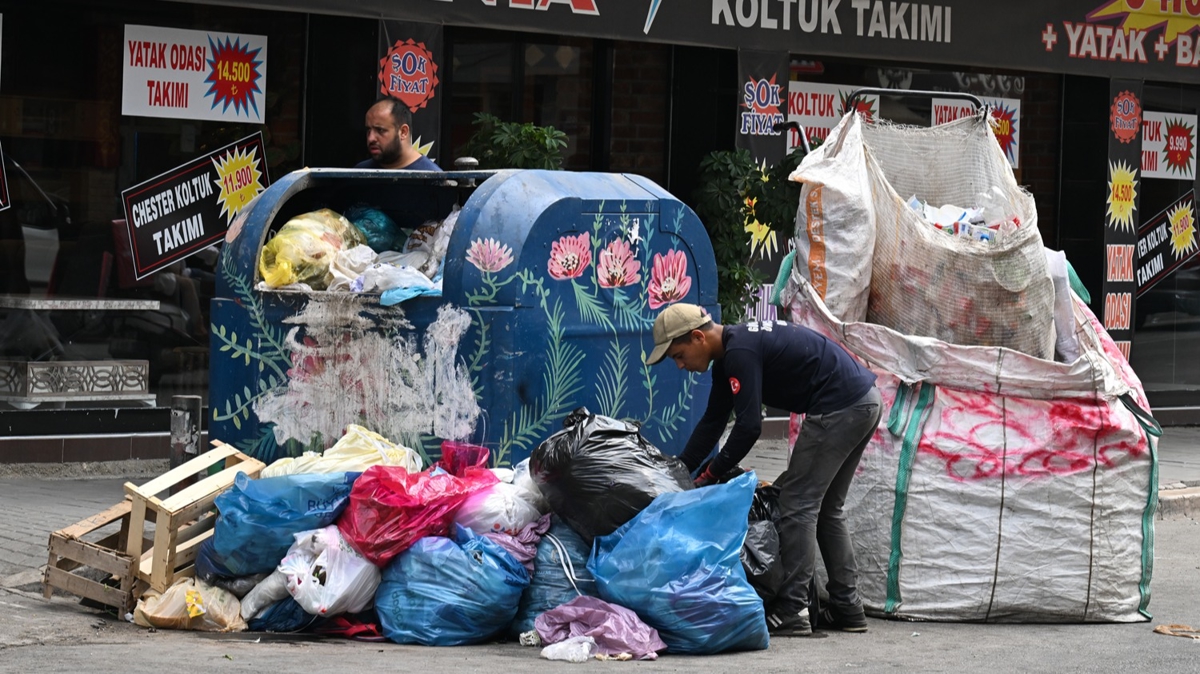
(1183, 229)
(1166, 242)
(1122, 191)
(238, 179)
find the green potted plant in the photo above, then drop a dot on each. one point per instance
(497, 144)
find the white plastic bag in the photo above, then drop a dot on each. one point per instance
(575, 649)
(523, 481)
(1066, 345)
(348, 265)
(501, 507)
(357, 450)
(326, 576)
(268, 591)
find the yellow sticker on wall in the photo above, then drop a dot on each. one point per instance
(1122, 190)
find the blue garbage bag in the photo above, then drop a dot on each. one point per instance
(676, 565)
(382, 233)
(258, 518)
(285, 615)
(559, 575)
(449, 591)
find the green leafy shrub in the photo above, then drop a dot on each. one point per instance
(497, 144)
(734, 192)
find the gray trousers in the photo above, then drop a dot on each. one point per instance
(812, 492)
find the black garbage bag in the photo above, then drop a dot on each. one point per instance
(760, 553)
(598, 472)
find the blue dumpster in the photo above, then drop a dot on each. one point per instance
(551, 283)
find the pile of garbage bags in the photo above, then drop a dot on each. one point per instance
(362, 250)
(596, 546)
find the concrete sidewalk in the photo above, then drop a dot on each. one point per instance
(38, 506)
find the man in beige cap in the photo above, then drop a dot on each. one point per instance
(793, 368)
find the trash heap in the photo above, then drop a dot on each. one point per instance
(595, 546)
(359, 251)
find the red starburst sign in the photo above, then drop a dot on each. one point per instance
(233, 76)
(409, 73)
(1180, 149)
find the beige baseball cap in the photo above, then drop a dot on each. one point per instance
(674, 322)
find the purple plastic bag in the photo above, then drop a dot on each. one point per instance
(616, 629)
(523, 546)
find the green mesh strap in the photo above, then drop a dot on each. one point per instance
(781, 279)
(912, 435)
(1151, 429)
(896, 418)
(1077, 284)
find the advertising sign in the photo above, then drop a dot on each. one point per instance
(1006, 121)
(189, 208)
(819, 107)
(1168, 145)
(1120, 221)
(410, 55)
(191, 74)
(1165, 242)
(761, 104)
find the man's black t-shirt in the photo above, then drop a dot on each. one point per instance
(786, 366)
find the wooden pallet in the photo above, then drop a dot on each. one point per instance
(133, 561)
(183, 519)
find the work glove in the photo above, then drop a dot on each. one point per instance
(705, 478)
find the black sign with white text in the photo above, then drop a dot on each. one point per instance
(189, 208)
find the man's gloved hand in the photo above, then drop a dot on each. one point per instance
(705, 478)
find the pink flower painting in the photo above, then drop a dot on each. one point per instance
(569, 256)
(669, 281)
(616, 267)
(489, 255)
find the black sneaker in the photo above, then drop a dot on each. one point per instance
(789, 625)
(833, 620)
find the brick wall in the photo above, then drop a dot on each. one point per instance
(1041, 109)
(639, 114)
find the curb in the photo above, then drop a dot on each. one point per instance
(1179, 504)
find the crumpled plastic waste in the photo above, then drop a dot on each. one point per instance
(391, 508)
(326, 576)
(523, 546)
(304, 248)
(347, 266)
(190, 604)
(380, 231)
(613, 629)
(599, 472)
(575, 649)
(357, 450)
(676, 564)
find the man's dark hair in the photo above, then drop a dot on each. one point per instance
(400, 113)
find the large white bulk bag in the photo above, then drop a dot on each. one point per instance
(999, 487)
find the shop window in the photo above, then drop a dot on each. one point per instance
(544, 82)
(69, 155)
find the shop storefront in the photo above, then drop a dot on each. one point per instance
(648, 88)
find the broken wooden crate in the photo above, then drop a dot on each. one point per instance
(135, 558)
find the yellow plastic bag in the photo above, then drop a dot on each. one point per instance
(304, 247)
(357, 450)
(190, 604)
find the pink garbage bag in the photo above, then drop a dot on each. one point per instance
(616, 629)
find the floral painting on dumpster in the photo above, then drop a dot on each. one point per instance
(334, 359)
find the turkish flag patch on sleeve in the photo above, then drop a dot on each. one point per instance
(735, 385)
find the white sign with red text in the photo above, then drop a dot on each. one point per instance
(1168, 145)
(1006, 121)
(192, 74)
(819, 107)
